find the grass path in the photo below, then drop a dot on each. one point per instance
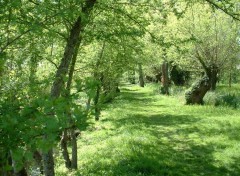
(143, 133)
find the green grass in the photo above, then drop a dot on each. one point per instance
(143, 133)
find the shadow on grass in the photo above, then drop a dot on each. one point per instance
(128, 90)
(180, 155)
(162, 159)
(168, 149)
(156, 120)
(136, 96)
(149, 159)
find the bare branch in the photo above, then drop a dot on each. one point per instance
(52, 62)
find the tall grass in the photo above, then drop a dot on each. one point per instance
(224, 96)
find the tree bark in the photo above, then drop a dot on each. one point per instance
(48, 163)
(99, 77)
(88, 104)
(38, 160)
(65, 153)
(198, 91)
(62, 70)
(96, 102)
(74, 163)
(68, 92)
(141, 77)
(230, 79)
(16, 172)
(212, 73)
(165, 80)
(230, 75)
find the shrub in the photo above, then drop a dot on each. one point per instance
(222, 99)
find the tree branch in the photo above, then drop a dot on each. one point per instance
(234, 16)
(52, 62)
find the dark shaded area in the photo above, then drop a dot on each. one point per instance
(178, 76)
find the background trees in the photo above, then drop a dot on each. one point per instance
(58, 56)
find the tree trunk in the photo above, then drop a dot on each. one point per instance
(58, 83)
(198, 91)
(212, 73)
(71, 122)
(66, 94)
(22, 172)
(5, 160)
(32, 76)
(98, 76)
(65, 153)
(88, 104)
(74, 164)
(141, 77)
(230, 74)
(230, 79)
(165, 80)
(48, 163)
(96, 102)
(16, 172)
(38, 160)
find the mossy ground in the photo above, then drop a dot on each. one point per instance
(144, 133)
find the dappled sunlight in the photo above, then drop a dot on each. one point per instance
(146, 134)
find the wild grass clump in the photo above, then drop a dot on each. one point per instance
(224, 96)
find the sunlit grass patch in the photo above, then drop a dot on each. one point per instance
(144, 133)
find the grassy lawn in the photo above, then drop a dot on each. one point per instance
(143, 133)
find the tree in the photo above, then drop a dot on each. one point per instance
(213, 40)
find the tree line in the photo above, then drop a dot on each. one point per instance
(60, 61)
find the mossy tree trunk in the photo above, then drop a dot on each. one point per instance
(207, 82)
(198, 91)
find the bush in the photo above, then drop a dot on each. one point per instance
(220, 99)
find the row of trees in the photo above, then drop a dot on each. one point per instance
(61, 60)
(202, 42)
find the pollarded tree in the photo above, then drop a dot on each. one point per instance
(214, 46)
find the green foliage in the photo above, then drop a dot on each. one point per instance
(116, 37)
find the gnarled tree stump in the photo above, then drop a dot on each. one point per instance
(198, 91)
